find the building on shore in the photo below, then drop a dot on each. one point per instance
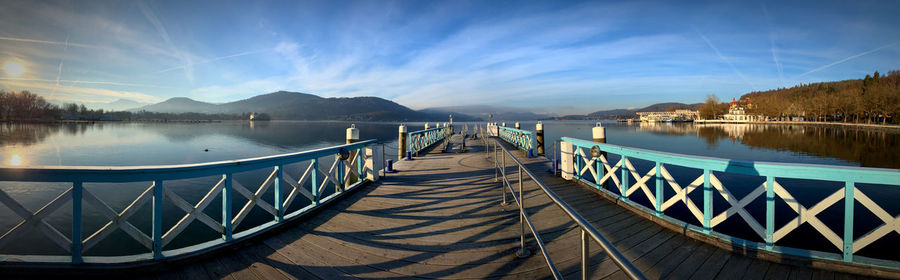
(738, 111)
(674, 116)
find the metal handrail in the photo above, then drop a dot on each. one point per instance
(595, 169)
(587, 230)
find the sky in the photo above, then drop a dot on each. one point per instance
(548, 56)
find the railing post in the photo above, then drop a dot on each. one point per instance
(598, 165)
(659, 189)
(314, 179)
(77, 190)
(157, 219)
(352, 137)
(340, 175)
(226, 207)
(707, 202)
(585, 254)
(624, 186)
(848, 220)
(279, 213)
(578, 160)
(770, 212)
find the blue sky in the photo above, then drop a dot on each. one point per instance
(552, 56)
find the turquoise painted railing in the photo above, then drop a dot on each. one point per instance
(342, 170)
(580, 164)
(522, 139)
(419, 140)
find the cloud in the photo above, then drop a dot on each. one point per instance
(211, 60)
(81, 94)
(66, 43)
(186, 60)
(726, 60)
(847, 59)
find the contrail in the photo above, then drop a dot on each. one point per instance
(846, 59)
(59, 68)
(48, 42)
(151, 17)
(778, 66)
(710, 44)
(211, 60)
(81, 82)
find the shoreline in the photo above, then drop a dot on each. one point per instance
(890, 126)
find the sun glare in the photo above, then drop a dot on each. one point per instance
(15, 160)
(13, 69)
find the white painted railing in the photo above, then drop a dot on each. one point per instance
(361, 168)
(588, 162)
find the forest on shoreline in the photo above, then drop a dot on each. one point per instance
(27, 106)
(873, 99)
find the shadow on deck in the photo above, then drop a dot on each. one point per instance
(440, 217)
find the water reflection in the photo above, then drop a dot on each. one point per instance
(866, 146)
(15, 160)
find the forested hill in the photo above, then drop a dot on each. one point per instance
(875, 98)
(284, 105)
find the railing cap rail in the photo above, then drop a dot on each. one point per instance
(426, 130)
(824, 172)
(517, 130)
(179, 171)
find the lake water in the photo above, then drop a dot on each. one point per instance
(125, 144)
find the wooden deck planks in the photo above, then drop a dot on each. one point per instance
(440, 217)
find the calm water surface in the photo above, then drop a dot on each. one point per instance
(124, 144)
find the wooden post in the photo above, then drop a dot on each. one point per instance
(599, 134)
(401, 144)
(539, 131)
(567, 166)
(352, 137)
(371, 166)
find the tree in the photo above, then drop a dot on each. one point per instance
(710, 109)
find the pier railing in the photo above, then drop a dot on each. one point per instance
(589, 162)
(588, 232)
(353, 165)
(522, 139)
(422, 139)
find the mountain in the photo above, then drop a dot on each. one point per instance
(285, 105)
(118, 105)
(122, 105)
(483, 112)
(181, 105)
(630, 113)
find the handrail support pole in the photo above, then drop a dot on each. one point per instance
(585, 254)
(522, 252)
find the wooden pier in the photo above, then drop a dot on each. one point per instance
(441, 217)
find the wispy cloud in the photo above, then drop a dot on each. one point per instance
(211, 60)
(35, 41)
(847, 59)
(187, 63)
(79, 93)
(778, 66)
(726, 60)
